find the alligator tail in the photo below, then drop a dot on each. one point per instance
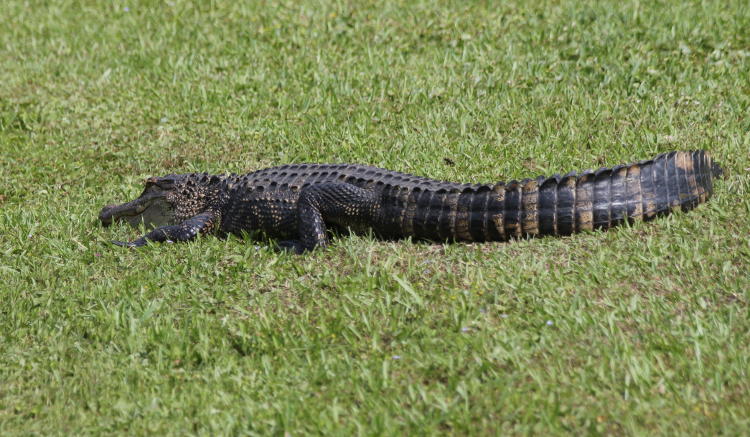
(601, 199)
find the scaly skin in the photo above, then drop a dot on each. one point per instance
(297, 203)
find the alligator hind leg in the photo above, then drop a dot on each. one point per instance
(333, 203)
(185, 231)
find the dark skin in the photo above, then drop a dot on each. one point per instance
(296, 203)
(312, 207)
(315, 205)
(185, 231)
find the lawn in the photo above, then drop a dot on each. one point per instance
(641, 330)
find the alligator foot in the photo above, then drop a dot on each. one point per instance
(291, 246)
(137, 243)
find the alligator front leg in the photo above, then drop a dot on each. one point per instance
(189, 229)
(335, 203)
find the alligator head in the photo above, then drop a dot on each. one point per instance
(154, 207)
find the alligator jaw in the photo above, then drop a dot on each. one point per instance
(111, 213)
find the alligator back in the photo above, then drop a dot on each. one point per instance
(422, 208)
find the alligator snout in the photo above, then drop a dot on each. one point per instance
(132, 212)
(105, 216)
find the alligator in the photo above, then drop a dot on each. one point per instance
(296, 204)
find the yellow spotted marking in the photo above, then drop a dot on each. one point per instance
(530, 218)
(633, 190)
(584, 204)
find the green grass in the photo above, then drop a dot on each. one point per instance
(641, 330)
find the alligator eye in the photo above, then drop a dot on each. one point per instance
(165, 183)
(162, 183)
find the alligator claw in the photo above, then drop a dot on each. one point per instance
(291, 246)
(136, 243)
(122, 243)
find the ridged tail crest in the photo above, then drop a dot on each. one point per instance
(601, 199)
(560, 205)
